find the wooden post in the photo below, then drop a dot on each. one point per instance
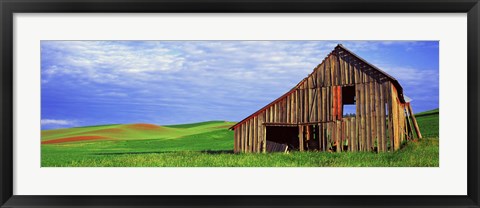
(373, 125)
(254, 133)
(377, 117)
(362, 117)
(337, 134)
(300, 137)
(368, 115)
(395, 118)
(414, 120)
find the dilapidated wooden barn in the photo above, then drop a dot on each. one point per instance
(311, 115)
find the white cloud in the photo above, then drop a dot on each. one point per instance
(57, 122)
(113, 94)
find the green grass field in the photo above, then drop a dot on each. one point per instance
(210, 144)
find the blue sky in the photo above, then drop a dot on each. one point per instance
(170, 82)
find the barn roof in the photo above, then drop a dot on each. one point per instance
(338, 47)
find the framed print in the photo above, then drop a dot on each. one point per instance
(247, 104)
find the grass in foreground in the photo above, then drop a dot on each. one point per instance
(416, 154)
(209, 144)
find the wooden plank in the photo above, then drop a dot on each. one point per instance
(341, 69)
(327, 104)
(353, 137)
(414, 120)
(390, 115)
(327, 73)
(410, 134)
(259, 134)
(323, 111)
(296, 111)
(368, 126)
(320, 137)
(300, 105)
(373, 125)
(250, 135)
(244, 137)
(287, 109)
(335, 103)
(333, 72)
(321, 72)
(247, 136)
(378, 117)
(275, 112)
(238, 131)
(240, 141)
(255, 133)
(352, 73)
(300, 137)
(396, 133)
(340, 103)
(338, 70)
(361, 117)
(280, 111)
(307, 104)
(292, 108)
(259, 127)
(264, 138)
(319, 104)
(357, 112)
(346, 133)
(383, 121)
(338, 135)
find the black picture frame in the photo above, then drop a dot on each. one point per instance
(9, 7)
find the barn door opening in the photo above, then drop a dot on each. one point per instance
(281, 137)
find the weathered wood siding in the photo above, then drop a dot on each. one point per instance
(315, 107)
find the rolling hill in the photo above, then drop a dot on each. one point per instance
(130, 132)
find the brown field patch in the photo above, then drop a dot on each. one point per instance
(75, 139)
(143, 126)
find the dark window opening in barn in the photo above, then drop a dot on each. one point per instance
(348, 101)
(279, 137)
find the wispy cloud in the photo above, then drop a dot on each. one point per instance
(57, 122)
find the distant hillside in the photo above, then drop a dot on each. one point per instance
(430, 112)
(130, 132)
(429, 123)
(191, 125)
